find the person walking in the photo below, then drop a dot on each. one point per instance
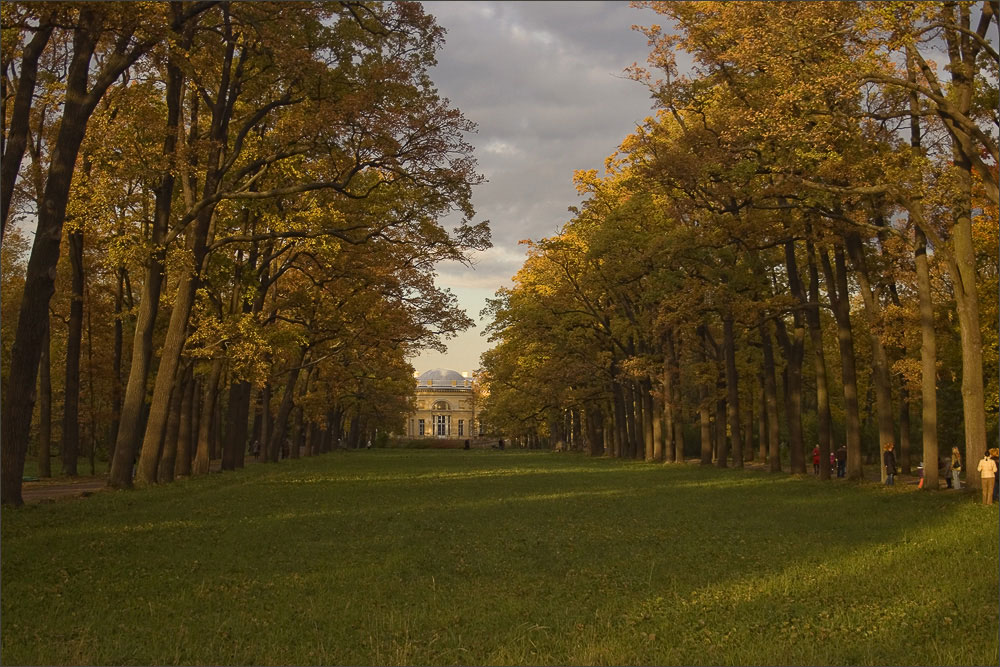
(841, 461)
(988, 469)
(956, 468)
(946, 469)
(889, 460)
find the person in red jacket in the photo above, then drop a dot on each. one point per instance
(816, 460)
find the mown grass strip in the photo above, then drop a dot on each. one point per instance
(452, 557)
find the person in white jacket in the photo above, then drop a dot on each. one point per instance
(988, 469)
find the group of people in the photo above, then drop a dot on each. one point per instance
(838, 459)
(988, 469)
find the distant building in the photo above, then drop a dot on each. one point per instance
(445, 406)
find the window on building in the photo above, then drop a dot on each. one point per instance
(420, 427)
(442, 424)
(461, 427)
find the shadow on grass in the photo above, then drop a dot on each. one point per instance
(439, 558)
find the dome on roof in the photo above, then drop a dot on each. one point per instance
(441, 376)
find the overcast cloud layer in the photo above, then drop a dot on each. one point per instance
(544, 83)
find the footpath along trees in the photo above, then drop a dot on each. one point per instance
(284, 164)
(793, 150)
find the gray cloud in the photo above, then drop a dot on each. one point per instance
(544, 83)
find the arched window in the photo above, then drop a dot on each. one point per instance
(441, 405)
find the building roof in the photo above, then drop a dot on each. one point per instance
(442, 378)
(442, 375)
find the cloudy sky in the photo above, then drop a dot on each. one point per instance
(544, 83)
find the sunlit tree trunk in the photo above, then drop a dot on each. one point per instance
(127, 438)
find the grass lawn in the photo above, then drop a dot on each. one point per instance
(487, 557)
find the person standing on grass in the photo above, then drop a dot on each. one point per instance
(956, 468)
(889, 460)
(988, 469)
(944, 465)
(841, 461)
(816, 460)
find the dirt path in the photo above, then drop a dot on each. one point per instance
(50, 490)
(59, 488)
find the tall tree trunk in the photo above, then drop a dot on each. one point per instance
(45, 406)
(116, 362)
(770, 400)
(186, 431)
(15, 139)
(928, 365)
(904, 431)
(39, 282)
(704, 401)
(668, 410)
(266, 428)
(629, 445)
(165, 472)
(880, 361)
(71, 402)
(620, 427)
(733, 389)
(721, 442)
(794, 348)
(287, 402)
(671, 394)
(130, 426)
(836, 286)
(658, 430)
(823, 426)
(762, 419)
(646, 401)
(236, 433)
(967, 306)
(202, 458)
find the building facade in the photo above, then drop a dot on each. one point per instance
(445, 406)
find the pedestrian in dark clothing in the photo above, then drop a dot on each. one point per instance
(841, 461)
(995, 455)
(889, 460)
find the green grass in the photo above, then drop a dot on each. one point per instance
(486, 557)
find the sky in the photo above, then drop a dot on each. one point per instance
(544, 82)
